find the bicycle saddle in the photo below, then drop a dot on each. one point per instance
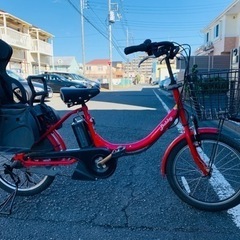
(74, 96)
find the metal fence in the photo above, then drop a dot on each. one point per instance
(206, 63)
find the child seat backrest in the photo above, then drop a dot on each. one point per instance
(18, 127)
(7, 83)
(21, 124)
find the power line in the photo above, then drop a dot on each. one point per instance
(98, 30)
(102, 33)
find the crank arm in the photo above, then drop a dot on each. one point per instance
(116, 153)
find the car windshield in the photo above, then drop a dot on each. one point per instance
(62, 78)
(16, 76)
(77, 76)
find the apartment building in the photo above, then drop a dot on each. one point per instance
(32, 46)
(144, 71)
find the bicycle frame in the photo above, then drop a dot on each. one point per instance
(63, 156)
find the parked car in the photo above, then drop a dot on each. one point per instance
(90, 83)
(163, 84)
(160, 84)
(56, 81)
(78, 78)
(166, 83)
(38, 87)
(153, 82)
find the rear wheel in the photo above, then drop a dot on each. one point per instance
(218, 191)
(29, 183)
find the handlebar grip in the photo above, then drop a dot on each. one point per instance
(144, 47)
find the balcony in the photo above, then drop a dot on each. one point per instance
(15, 38)
(205, 49)
(41, 47)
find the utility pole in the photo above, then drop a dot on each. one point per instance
(82, 5)
(112, 8)
(110, 21)
(127, 58)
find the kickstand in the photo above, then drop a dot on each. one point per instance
(8, 202)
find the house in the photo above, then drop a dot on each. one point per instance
(117, 69)
(66, 64)
(97, 69)
(100, 69)
(32, 46)
(222, 34)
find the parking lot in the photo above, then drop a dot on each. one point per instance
(136, 203)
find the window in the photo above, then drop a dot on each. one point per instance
(216, 31)
(207, 37)
(100, 68)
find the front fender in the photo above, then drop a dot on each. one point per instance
(177, 141)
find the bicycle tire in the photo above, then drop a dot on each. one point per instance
(217, 192)
(30, 183)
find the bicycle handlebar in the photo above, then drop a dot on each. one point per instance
(154, 48)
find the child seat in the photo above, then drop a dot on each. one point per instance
(18, 126)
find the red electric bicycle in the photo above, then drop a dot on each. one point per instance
(202, 165)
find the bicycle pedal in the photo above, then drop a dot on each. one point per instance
(120, 151)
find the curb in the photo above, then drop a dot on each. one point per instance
(234, 126)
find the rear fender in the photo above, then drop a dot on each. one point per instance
(177, 141)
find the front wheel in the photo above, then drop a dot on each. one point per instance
(218, 191)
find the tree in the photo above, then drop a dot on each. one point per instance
(137, 79)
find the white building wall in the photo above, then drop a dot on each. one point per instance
(231, 26)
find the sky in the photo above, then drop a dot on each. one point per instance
(177, 20)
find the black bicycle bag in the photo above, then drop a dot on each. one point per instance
(18, 126)
(22, 125)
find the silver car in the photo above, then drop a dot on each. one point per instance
(38, 87)
(74, 77)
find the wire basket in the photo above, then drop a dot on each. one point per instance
(214, 95)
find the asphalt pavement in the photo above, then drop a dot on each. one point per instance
(136, 203)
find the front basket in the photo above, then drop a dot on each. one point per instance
(214, 95)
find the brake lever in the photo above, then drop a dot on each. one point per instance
(162, 60)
